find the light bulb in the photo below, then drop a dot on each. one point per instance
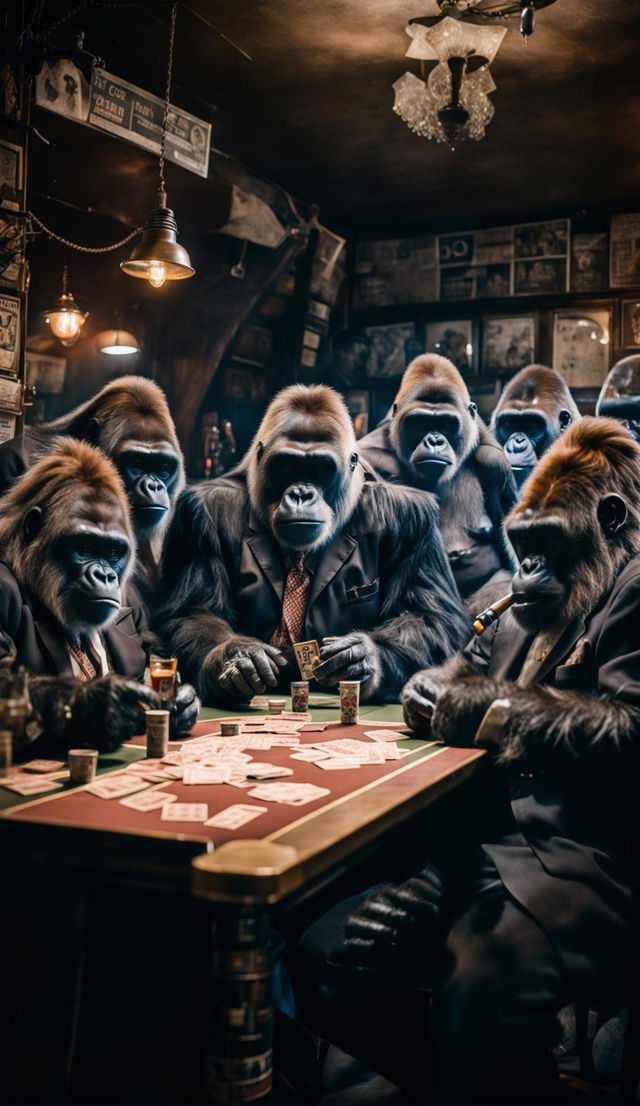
(156, 274)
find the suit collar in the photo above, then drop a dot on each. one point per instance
(270, 558)
(510, 650)
(330, 561)
(123, 647)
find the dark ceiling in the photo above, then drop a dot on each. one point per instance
(312, 111)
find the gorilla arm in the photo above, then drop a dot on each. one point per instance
(421, 612)
(195, 615)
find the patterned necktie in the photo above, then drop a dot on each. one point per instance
(85, 664)
(294, 605)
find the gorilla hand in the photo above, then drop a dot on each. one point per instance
(397, 927)
(419, 698)
(351, 657)
(461, 707)
(184, 710)
(107, 711)
(245, 668)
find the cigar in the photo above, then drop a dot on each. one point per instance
(483, 620)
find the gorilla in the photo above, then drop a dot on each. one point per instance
(538, 913)
(534, 409)
(435, 441)
(67, 552)
(130, 420)
(293, 545)
(620, 394)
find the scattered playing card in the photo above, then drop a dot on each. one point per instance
(33, 786)
(146, 765)
(297, 715)
(260, 771)
(383, 735)
(293, 794)
(199, 773)
(314, 727)
(310, 755)
(116, 787)
(43, 765)
(236, 816)
(185, 812)
(337, 764)
(148, 800)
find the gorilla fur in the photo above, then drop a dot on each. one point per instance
(379, 569)
(548, 728)
(61, 486)
(476, 488)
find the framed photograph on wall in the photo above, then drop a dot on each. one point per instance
(9, 334)
(46, 373)
(452, 339)
(508, 343)
(10, 175)
(582, 345)
(357, 401)
(630, 333)
(10, 395)
(388, 348)
(7, 427)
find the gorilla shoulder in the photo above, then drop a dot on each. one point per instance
(408, 512)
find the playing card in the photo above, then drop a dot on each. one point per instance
(314, 727)
(296, 715)
(172, 772)
(383, 735)
(264, 771)
(199, 773)
(293, 794)
(43, 765)
(156, 776)
(337, 764)
(146, 765)
(343, 746)
(116, 787)
(310, 755)
(284, 740)
(308, 657)
(25, 786)
(391, 751)
(239, 781)
(185, 812)
(148, 800)
(259, 741)
(236, 816)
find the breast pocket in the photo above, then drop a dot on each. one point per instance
(362, 593)
(575, 677)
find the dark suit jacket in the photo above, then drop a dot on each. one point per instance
(19, 453)
(571, 859)
(385, 573)
(31, 637)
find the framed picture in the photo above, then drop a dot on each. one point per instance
(452, 339)
(7, 427)
(388, 348)
(254, 345)
(46, 373)
(589, 262)
(244, 384)
(10, 395)
(9, 334)
(10, 175)
(630, 336)
(582, 345)
(533, 277)
(508, 343)
(357, 401)
(624, 261)
(395, 271)
(12, 261)
(545, 239)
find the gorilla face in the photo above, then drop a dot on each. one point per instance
(525, 435)
(301, 491)
(150, 473)
(433, 440)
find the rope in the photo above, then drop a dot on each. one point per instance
(167, 94)
(74, 245)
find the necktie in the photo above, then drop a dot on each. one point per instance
(294, 605)
(85, 664)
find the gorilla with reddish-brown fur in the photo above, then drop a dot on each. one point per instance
(435, 441)
(363, 562)
(536, 912)
(534, 409)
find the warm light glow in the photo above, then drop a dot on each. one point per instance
(156, 274)
(117, 343)
(66, 324)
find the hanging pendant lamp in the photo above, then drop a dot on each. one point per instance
(65, 318)
(158, 256)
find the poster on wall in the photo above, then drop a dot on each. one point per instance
(581, 346)
(625, 250)
(12, 239)
(46, 374)
(388, 346)
(630, 337)
(10, 395)
(541, 252)
(454, 340)
(475, 264)
(395, 271)
(508, 343)
(10, 175)
(61, 87)
(589, 262)
(7, 427)
(9, 334)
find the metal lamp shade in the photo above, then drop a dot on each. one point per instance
(158, 247)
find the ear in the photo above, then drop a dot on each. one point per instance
(473, 410)
(92, 432)
(612, 514)
(32, 522)
(564, 418)
(259, 451)
(353, 462)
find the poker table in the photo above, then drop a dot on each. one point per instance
(237, 877)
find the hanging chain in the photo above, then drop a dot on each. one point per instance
(74, 245)
(167, 93)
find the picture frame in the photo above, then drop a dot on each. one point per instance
(10, 175)
(357, 401)
(630, 324)
(7, 427)
(388, 347)
(12, 242)
(508, 343)
(45, 373)
(9, 334)
(10, 395)
(453, 339)
(582, 344)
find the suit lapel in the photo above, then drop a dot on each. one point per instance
(508, 649)
(124, 650)
(330, 561)
(561, 649)
(268, 556)
(53, 642)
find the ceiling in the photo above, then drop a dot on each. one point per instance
(312, 111)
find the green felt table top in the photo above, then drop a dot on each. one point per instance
(324, 708)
